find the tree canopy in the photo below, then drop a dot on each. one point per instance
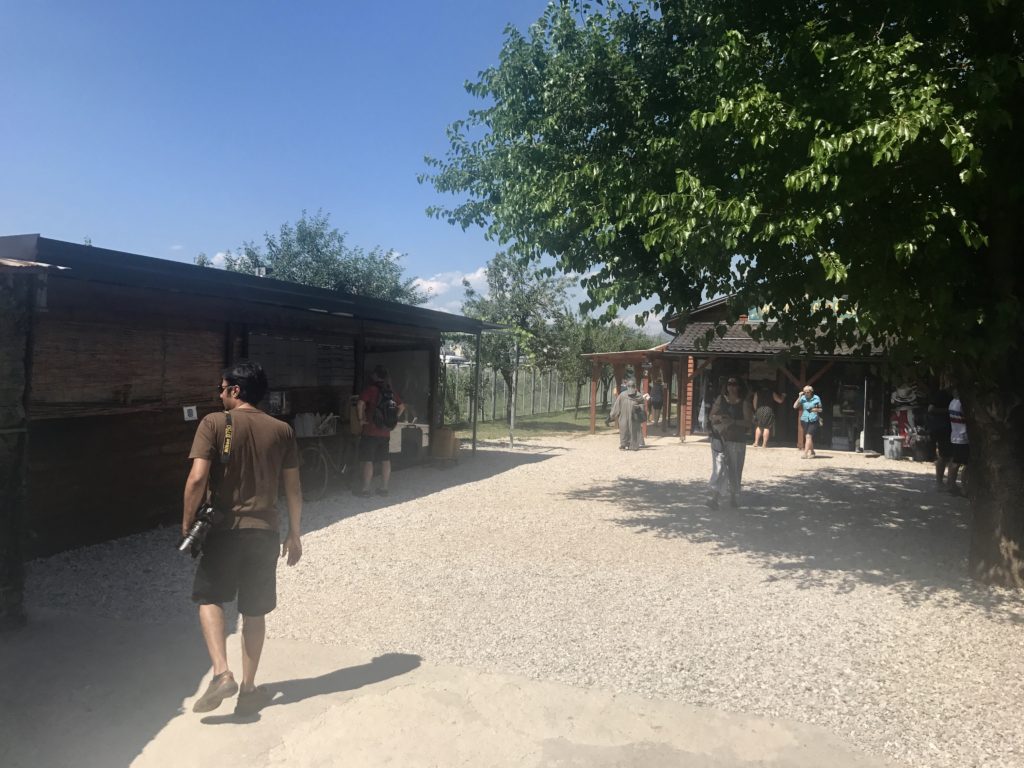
(313, 253)
(785, 152)
(798, 155)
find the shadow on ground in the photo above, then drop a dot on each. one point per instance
(87, 693)
(348, 679)
(423, 480)
(833, 527)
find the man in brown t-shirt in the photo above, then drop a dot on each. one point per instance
(240, 555)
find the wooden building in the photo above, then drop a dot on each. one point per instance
(121, 353)
(852, 387)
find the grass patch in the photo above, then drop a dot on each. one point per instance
(542, 425)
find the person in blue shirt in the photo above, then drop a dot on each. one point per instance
(809, 405)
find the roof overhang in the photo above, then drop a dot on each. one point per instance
(90, 263)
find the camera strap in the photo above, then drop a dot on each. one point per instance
(225, 452)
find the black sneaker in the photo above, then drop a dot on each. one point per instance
(712, 502)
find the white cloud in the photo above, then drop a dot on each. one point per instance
(446, 290)
(177, 247)
(451, 307)
(432, 286)
(218, 259)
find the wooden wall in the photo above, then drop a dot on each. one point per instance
(112, 369)
(17, 289)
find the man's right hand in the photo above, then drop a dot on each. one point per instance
(292, 548)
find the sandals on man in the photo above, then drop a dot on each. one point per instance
(222, 686)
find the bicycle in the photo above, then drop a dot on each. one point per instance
(317, 462)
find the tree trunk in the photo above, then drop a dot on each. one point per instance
(507, 376)
(995, 428)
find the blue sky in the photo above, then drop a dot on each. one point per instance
(170, 129)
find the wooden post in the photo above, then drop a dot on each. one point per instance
(667, 372)
(595, 368)
(17, 300)
(684, 386)
(799, 423)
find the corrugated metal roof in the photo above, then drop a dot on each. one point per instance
(87, 262)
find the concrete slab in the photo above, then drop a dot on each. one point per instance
(86, 692)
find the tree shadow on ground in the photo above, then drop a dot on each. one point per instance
(833, 527)
(419, 481)
(284, 692)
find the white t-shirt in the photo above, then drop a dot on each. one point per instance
(958, 426)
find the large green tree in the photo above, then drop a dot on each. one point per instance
(788, 152)
(312, 252)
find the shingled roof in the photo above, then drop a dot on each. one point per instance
(737, 341)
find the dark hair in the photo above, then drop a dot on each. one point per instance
(380, 373)
(250, 379)
(739, 383)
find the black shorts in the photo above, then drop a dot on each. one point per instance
(944, 445)
(373, 448)
(959, 453)
(811, 427)
(239, 562)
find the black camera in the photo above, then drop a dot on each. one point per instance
(206, 518)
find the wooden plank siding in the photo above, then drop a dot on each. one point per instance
(114, 365)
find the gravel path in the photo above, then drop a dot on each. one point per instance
(834, 596)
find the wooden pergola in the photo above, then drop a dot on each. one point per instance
(643, 361)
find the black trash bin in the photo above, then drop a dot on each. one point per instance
(412, 443)
(923, 449)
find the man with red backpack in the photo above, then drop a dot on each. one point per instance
(379, 409)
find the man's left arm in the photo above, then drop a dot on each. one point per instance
(195, 491)
(292, 546)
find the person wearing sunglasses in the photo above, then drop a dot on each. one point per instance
(240, 457)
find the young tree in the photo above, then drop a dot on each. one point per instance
(313, 253)
(787, 152)
(529, 302)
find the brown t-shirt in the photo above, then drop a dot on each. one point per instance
(247, 485)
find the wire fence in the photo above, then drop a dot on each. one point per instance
(538, 392)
